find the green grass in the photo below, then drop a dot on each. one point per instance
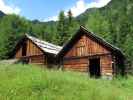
(28, 82)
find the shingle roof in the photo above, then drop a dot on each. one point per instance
(45, 46)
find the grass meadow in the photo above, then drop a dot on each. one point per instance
(29, 82)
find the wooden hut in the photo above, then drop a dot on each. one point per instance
(87, 52)
(33, 50)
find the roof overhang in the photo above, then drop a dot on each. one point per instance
(83, 31)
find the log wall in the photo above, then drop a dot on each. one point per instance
(33, 54)
(32, 49)
(78, 57)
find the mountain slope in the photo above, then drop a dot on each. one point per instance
(114, 23)
(2, 14)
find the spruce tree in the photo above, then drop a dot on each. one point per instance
(72, 25)
(61, 29)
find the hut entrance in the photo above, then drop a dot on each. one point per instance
(94, 67)
(24, 49)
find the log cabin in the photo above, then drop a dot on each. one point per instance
(84, 52)
(35, 51)
(87, 52)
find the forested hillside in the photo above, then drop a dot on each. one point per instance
(1, 14)
(113, 22)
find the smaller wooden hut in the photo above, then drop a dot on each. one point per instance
(87, 52)
(33, 50)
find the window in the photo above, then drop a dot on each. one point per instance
(81, 51)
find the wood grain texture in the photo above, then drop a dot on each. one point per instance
(91, 48)
(33, 54)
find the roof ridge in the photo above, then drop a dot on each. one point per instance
(51, 44)
(45, 46)
(98, 38)
(95, 35)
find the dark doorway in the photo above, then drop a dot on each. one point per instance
(94, 67)
(24, 49)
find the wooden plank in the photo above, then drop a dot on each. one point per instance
(92, 47)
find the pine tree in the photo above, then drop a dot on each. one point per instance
(61, 29)
(128, 50)
(70, 17)
(72, 25)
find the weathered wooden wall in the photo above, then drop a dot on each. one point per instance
(33, 54)
(32, 49)
(78, 57)
(77, 64)
(90, 48)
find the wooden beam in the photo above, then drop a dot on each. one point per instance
(88, 56)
